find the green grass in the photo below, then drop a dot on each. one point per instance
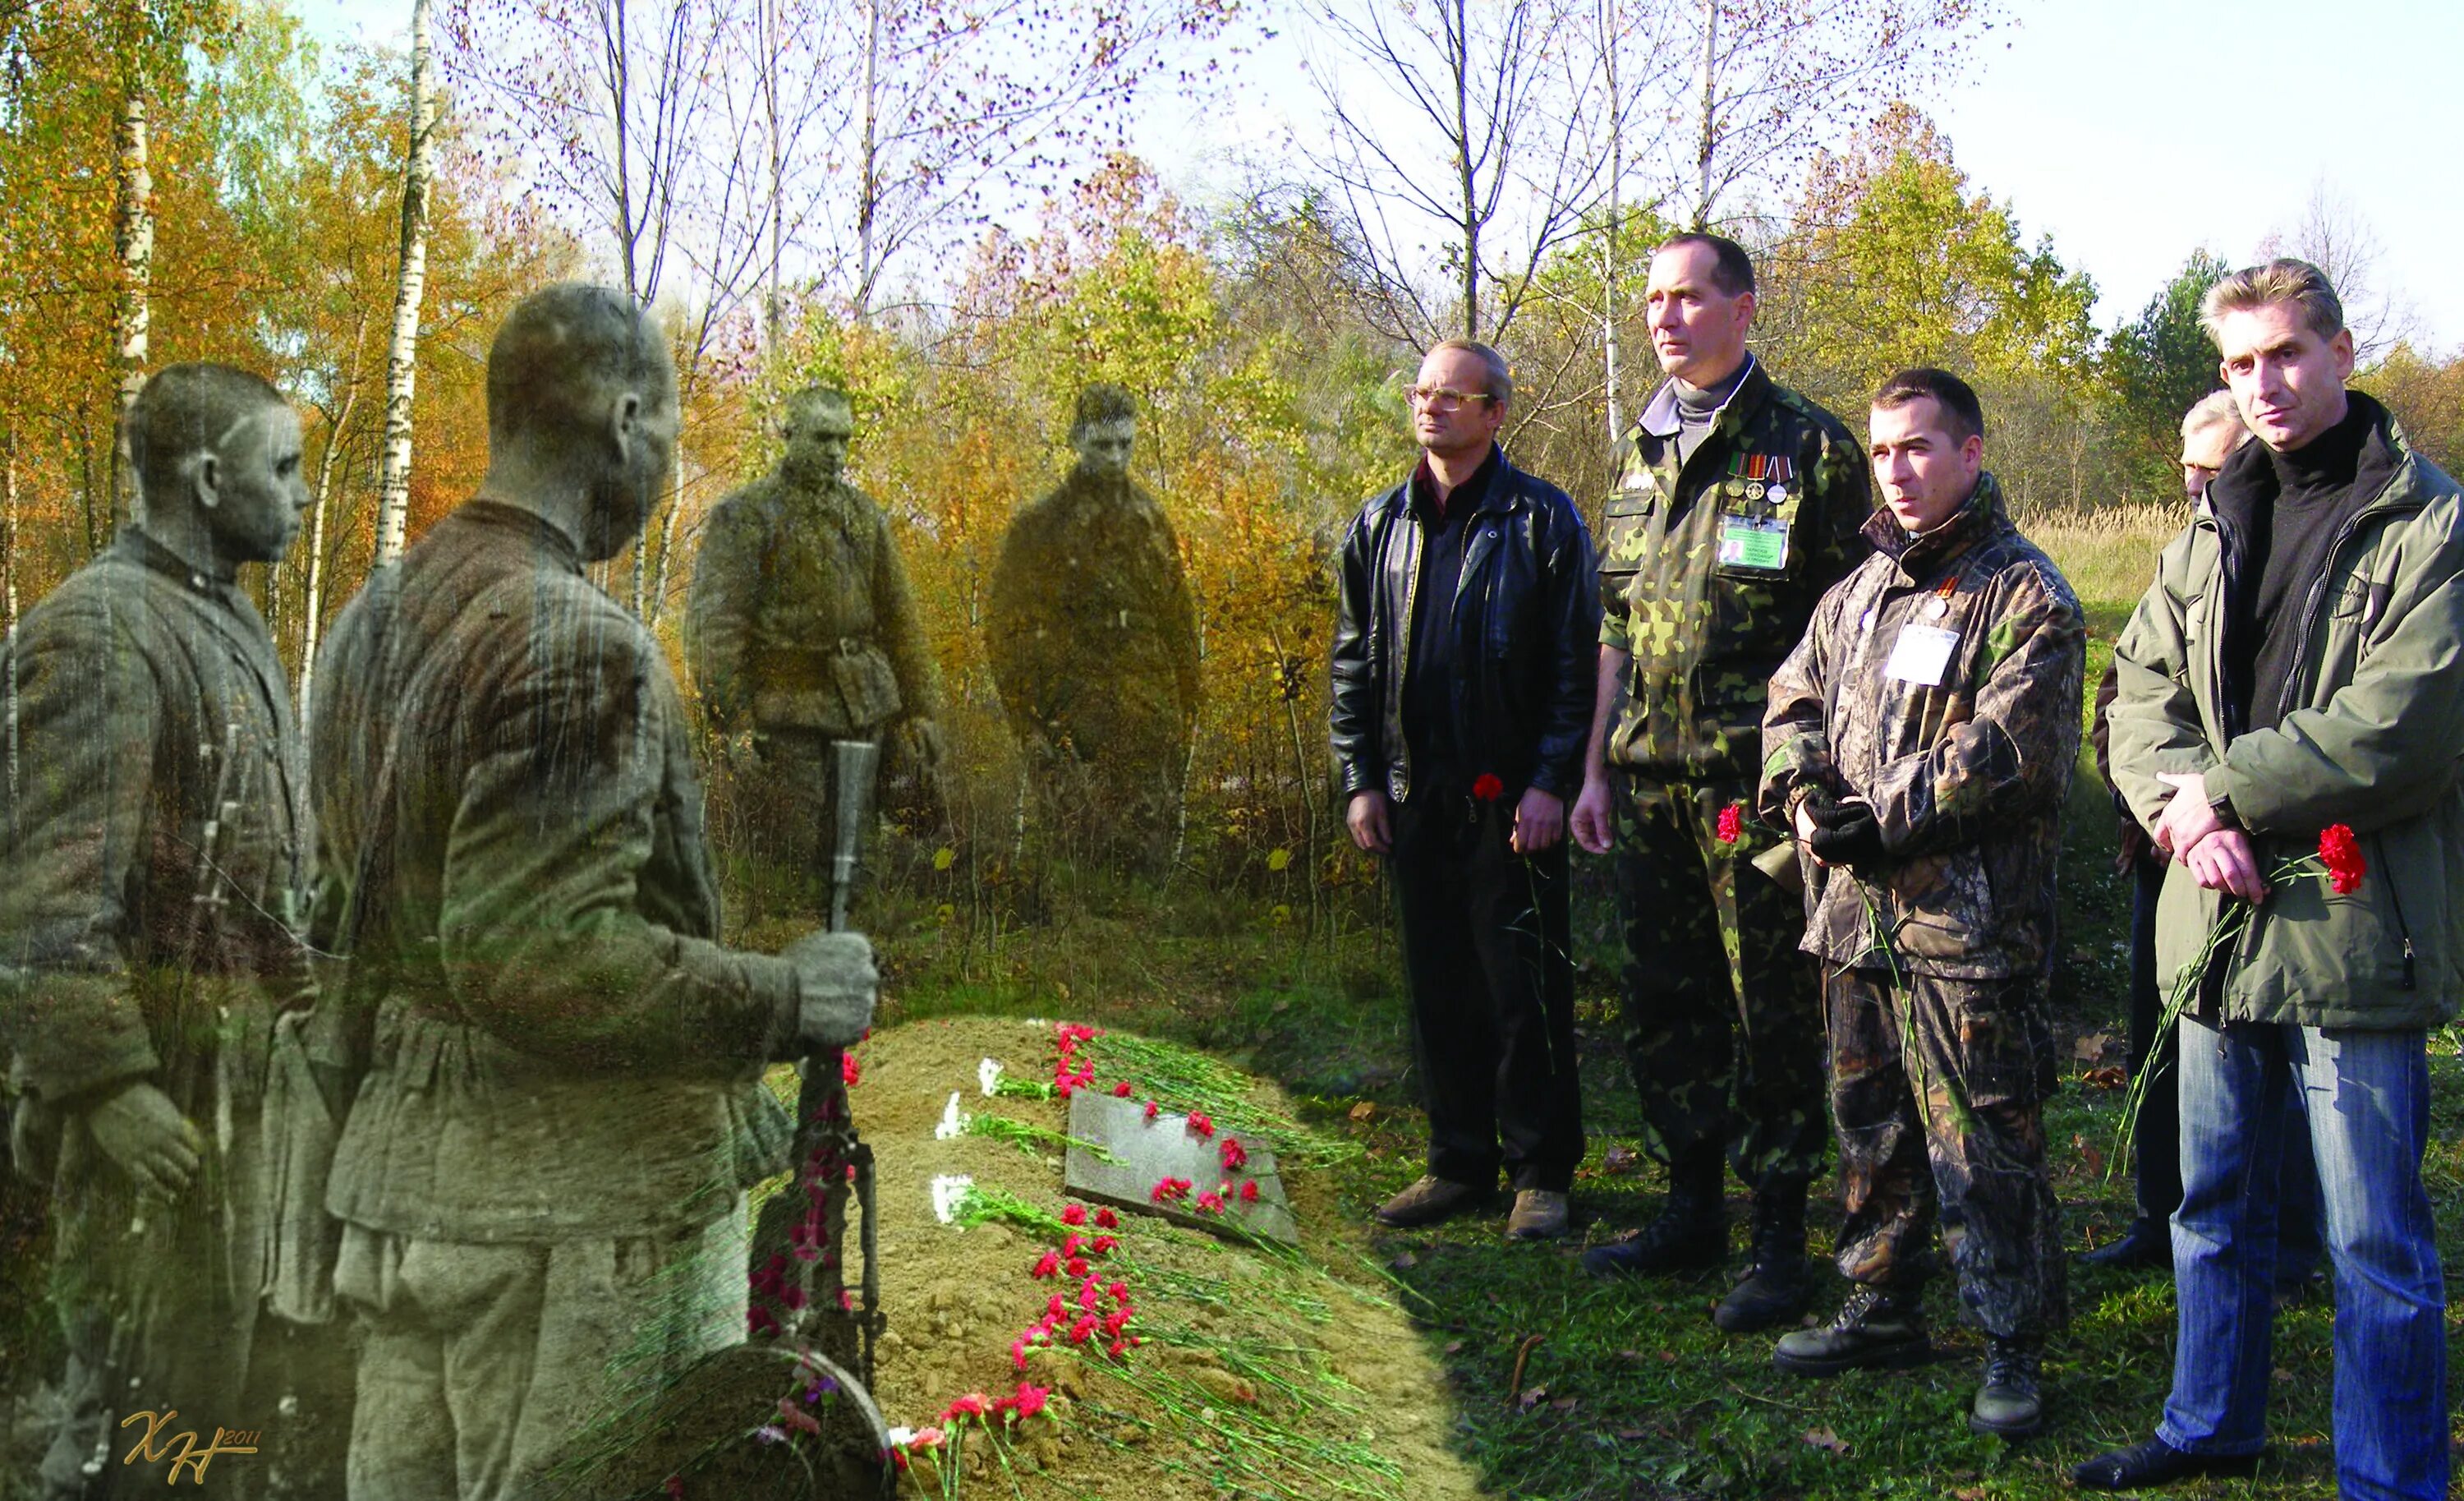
(1637, 1394)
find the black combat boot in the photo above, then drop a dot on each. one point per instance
(1691, 1232)
(1777, 1289)
(1876, 1327)
(2010, 1404)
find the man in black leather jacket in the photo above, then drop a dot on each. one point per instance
(1464, 669)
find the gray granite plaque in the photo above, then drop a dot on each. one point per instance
(1151, 1151)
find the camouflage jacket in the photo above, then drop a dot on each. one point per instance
(152, 853)
(512, 858)
(1940, 682)
(1089, 607)
(1708, 573)
(800, 615)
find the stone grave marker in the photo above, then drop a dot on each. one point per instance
(1151, 1151)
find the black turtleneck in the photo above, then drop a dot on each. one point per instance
(2305, 497)
(1428, 725)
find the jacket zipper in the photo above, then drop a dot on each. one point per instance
(1403, 636)
(2288, 696)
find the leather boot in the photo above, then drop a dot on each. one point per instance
(1878, 1327)
(2010, 1404)
(1691, 1232)
(1780, 1283)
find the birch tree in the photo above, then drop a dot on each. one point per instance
(402, 353)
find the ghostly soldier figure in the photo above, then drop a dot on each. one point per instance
(1093, 641)
(542, 1177)
(150, 860)
(799, 633)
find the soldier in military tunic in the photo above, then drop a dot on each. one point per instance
(800, 632)
(559, 1103)
(1093, 641)
(1738, 504)
(1920, 742)
(151, 858)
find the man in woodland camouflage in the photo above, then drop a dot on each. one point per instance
(152, 862)
(799, 633)
(542, 1177)
(1920, 742)
(1093, 641)
(1738, 504)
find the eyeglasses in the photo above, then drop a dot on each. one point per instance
(1443, 398)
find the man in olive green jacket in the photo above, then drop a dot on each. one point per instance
(2295, 669)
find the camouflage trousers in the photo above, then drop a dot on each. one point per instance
(1723, 1014)
(1938, 1090)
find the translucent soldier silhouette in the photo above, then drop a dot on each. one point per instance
(152, 862)
(542, 1176)
(1093, 642)
(800, 632)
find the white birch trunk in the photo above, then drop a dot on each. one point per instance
(314, 608)
(402, 356)
(136, 248)
(9, 604)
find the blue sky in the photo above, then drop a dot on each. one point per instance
(2132, 131)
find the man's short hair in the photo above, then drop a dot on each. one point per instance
(183, 410)
(1101, 403)
(564, 345)
(1499, 374)
(818, 400)
(1963, 416)
(2215, 410)
(1732, 269)
(2281, 280)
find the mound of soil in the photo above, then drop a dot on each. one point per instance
(1259, 1371)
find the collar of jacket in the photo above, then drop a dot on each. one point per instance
(1659, 416)
(2233, 497)
(1739, 409)
(139, 547)
(503, 515)
(1502, 492)
(1925, 552)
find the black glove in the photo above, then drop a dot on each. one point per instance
(1844, 833)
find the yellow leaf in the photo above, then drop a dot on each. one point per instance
(1278, 859)
(944, 857)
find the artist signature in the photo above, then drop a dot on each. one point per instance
(154, 1447)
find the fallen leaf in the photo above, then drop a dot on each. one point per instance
(1404, 1262)
(2092, 1046)
(1363, 1111)
(1631, 1435)
(1566, 1404)
(1825, 1439)
(1619, 1160)
(2112, 1076)
(1970, 1494)
(1454, 1346)
(1669, 1357)
(1532, 1399)
(1629, 1355)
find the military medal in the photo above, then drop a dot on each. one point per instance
(1777, 491)
(1938, 608)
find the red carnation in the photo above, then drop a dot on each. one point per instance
(1121, 1091)
(1048, 1264)
(1101, 1244)
(1235, 1155)
(1107, 1219)
(1488, 786)
(1029, 1399)
(1732, 823)
(1151, 1110)
(1073, 1214)
(1249, 1191)
(849, 1071)
(1077, 1267)
(1201, 1122)
(2342, 854)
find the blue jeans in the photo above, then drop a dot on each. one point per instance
(2367, 1095)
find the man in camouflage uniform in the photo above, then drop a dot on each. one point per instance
(799, 632)
(1739, 503)
(541, 1179)
(1093, 641)
(1921, 739)
(152, 861)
